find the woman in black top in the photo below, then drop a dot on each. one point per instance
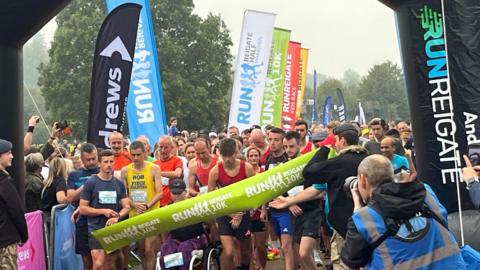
(55, 190)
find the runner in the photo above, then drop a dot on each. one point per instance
(229, 171)
(259, 216)
(302, 128)
(200, 168)
(144, 188)
(307, 214)
(121, 157)
(281, 219)
(171, 166)
(104, 201)
(75, 183)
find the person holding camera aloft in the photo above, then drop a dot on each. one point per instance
(402, 225)
(470, 176)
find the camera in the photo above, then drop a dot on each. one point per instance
(350, 182)
(62, 125)
(474, 154)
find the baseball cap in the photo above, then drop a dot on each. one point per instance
(344, 127)
(319, 136)
(212, 134)
(5, 146)
(177, 186)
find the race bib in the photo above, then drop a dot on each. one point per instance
(139, 196)
(295, 190)
(165, 181)
(203, 189)
(173, 260)
(107, 197)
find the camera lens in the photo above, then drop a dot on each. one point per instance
(350, 182)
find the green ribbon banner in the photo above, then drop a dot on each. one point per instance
(246, 194)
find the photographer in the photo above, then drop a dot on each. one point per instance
(333, 172)
(470, 176)
(403, 226)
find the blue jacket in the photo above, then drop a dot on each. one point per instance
(420, 242)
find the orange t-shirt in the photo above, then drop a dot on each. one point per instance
(122, 160)
(167, 166)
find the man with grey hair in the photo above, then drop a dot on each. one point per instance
(402, 225)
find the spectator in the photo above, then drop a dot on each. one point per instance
(389, 233)
(172, 130)
(55, 189)
(470, 176)
(184, 239)
(13, 226)
(33, 181)
(27, 140)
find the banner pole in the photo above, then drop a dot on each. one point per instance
(453, 137)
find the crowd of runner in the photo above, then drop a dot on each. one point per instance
(307, 226)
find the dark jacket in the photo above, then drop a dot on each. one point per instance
(399, 201)
(474, 190)
(13, 227)
(333, 172)
(33, 190)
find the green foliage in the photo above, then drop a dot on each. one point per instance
(65, 79)
(194, 57)
(195, 63)
(382, 91)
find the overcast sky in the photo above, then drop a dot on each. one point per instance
(340, 34)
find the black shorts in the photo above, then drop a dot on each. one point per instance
(307, 224)
(257, 225)
(93, 243)
(81, 240)
(225, 228)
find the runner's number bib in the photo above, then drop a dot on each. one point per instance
(139, 196)
(107, 197)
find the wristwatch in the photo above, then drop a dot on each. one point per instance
(471, 181)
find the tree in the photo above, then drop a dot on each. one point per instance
(383, 91)
(351, 79)
(194, 59)
(34, 53)
(195, 63)
(65, 79)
